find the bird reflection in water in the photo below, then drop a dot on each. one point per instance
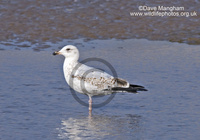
(99, 126)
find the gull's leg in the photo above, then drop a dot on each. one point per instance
(90, 103)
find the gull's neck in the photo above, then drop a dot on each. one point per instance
(68, 68)
(69, 65)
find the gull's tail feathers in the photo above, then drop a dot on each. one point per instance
(131, 88)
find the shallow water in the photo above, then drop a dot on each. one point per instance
(36, 102)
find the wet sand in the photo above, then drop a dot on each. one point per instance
(36, 103)
(36, 24)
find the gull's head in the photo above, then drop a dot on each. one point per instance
(68, 51)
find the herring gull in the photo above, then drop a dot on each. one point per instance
(95, 82)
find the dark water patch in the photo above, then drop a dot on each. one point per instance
(41, 47)
(28, 85)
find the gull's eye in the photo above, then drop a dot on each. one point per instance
(67, 49)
